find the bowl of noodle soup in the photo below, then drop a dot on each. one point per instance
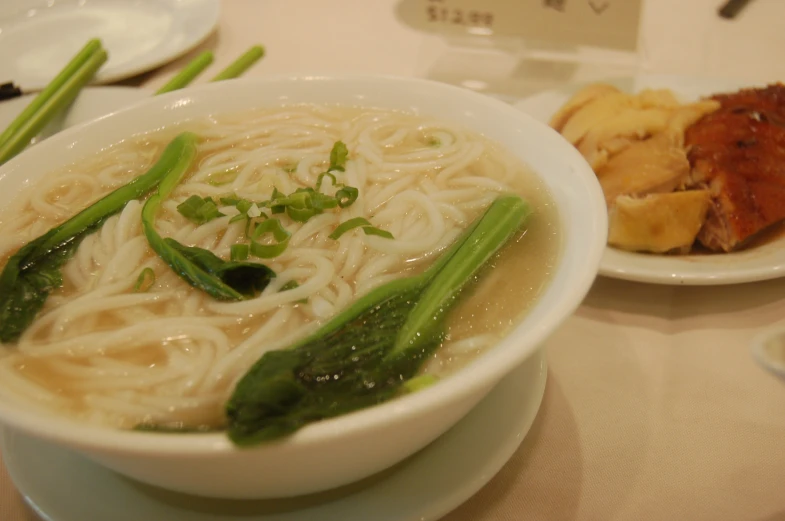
(103, 356)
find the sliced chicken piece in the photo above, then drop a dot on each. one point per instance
(658, 98)
(651, 166)
(617, 144)
(630, 123)
(595, 113)
(686, 116)
(578, 100)
(658, 223)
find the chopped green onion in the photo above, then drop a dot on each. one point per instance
(347, 196)
(199, 210)
(268, 251)
(251, 223)
(300, 206)
(321, 177)
(349, 225)
(301, 215)
(338, 156)
(321, 201)
(373, 230)
(279, 233)
(229, 200)
(276, 208)
(272, 226)
(244, 205)
(239, 252)
(358, 222)
(145, 280)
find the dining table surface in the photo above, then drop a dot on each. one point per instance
(654, 407)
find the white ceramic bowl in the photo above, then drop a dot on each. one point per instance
(338, 451)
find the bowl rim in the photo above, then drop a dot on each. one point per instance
(487, 369)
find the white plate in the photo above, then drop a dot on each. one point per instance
(38, 37)
(91, 103)
(760, 263)
(62, 486)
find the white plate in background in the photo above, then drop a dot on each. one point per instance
(63, 486)
(760, 263)
(39, 37)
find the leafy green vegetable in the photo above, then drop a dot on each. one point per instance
(34, 271)
(200, 268)
(367, 353)
(247, 278)
(198, 210)
(24, 287)
(145, 280)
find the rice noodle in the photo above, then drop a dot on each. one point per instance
(113, 356)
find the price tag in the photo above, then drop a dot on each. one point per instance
(612, 24)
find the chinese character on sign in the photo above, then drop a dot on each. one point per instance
(598, 6)
(555, 4)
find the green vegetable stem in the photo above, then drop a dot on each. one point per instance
(368, 353)
(202, 269)
(34, 271)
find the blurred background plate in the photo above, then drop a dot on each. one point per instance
(38, 37)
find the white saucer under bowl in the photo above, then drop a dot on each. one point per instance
(63, 486)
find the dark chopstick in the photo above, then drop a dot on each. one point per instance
(9, 90)
(732, 8)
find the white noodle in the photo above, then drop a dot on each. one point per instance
(174, 353)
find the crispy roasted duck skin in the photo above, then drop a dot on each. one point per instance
(738, 153)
